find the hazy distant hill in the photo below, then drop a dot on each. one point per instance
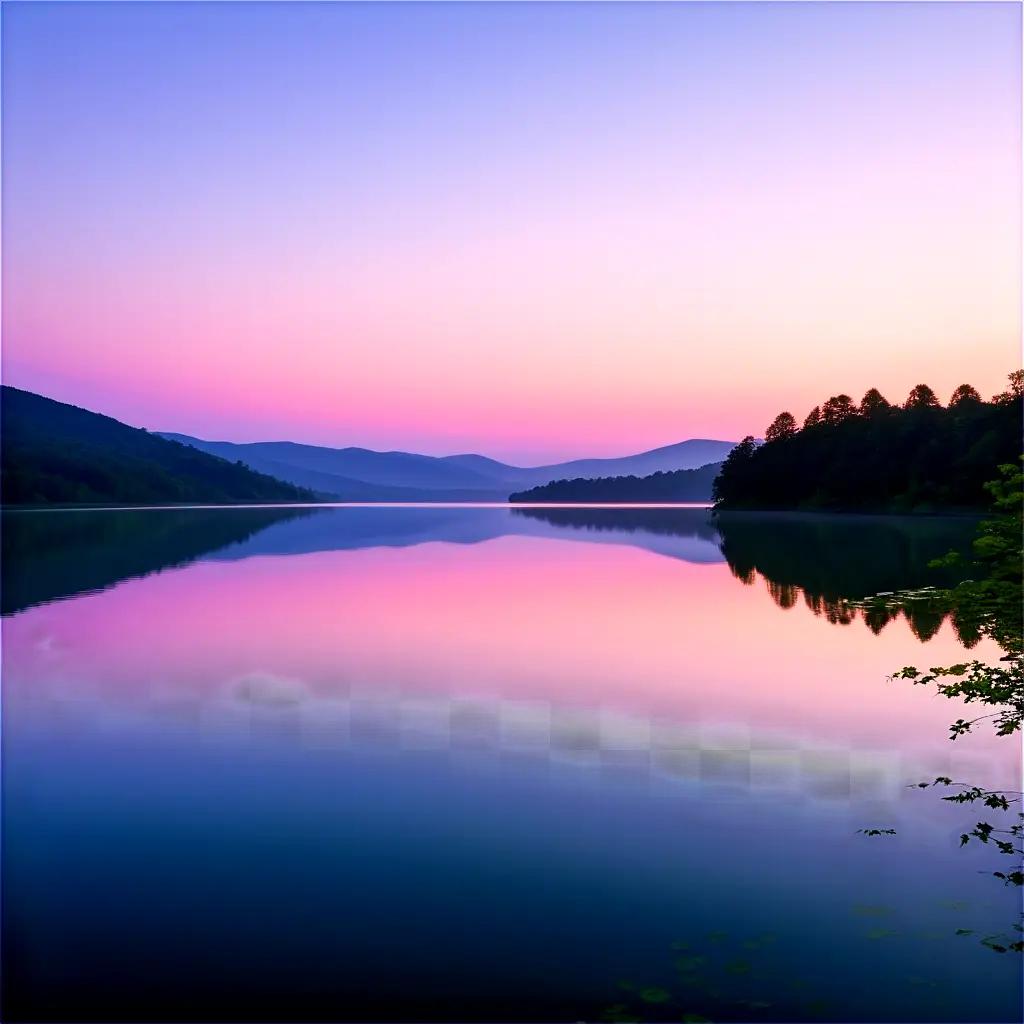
(685, 455)
(358, 474)
(57, 453)
(681, 485)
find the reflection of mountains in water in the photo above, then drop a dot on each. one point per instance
(49, 555)
(830, 560)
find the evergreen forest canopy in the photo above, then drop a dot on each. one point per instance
(675, 485)
(874, 456)
(57, 453)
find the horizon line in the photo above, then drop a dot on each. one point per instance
(381, 451)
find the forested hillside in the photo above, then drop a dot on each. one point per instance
(57, 453)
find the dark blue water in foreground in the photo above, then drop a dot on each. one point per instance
(479, 766)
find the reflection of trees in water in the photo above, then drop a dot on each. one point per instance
(989, 604)
(924, 617)
(827, 561)
(832, 562)
(675, 522)
(48, 555)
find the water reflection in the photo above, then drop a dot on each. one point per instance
(646, 522)
(456, 765)
(829, 560)
(49, 555)
(824, 560)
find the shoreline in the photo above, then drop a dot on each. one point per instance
(610, 506)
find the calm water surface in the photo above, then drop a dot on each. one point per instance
(484, 764)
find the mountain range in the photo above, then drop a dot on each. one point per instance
(59, 453)
(359, 474)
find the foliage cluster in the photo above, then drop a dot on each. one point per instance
(990, 606)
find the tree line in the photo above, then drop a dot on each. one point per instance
(671, 486)
(878, 456)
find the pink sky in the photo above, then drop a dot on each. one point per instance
(536, 232)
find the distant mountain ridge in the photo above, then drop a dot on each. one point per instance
(359, 474)
(691, 454)
(54, 452)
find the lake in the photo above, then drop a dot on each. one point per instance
(486, 764)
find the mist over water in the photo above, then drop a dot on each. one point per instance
(484, 764)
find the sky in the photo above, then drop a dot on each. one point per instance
(535, 231)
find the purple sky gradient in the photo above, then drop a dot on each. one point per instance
(537, 231)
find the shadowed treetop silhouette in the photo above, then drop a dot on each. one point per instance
(917, 457)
